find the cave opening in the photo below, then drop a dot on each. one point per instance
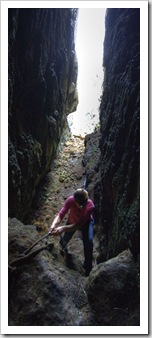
(89, 39)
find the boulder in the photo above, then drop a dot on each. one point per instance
(113, 291)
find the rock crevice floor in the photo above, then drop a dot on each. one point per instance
(66, 175)
(52, 269)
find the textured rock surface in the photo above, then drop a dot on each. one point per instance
(42, 91)
(117, 190)
(44, 291)
(49, 290)
(113, 291)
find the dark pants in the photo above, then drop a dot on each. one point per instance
(87, 237)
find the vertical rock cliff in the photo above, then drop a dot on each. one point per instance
(112, 161)
(117, 189)
(49, 289)
(42, 91)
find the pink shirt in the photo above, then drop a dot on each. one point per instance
(75, 214)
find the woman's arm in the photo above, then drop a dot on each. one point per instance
(55, 223)
(61, 214)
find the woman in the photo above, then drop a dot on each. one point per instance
(80, 217)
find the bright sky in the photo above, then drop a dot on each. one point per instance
(89, 48)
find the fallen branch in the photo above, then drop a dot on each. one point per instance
(24, 259)
(32, 246)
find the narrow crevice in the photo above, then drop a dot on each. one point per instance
(43, 167)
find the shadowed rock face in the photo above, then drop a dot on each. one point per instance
(50, 289)
(42, 91)
(113, 291)
(117, 189)
(46, 291)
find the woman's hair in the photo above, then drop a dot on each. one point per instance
(81, 196)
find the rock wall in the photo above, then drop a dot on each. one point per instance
(42, 91)
(45, 290)
(114, 292)
(117, 188)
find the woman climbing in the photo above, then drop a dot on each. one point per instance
(80, 217)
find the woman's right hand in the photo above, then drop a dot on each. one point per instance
(57, 231)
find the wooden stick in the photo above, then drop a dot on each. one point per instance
(22, 260)
(32, 246)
